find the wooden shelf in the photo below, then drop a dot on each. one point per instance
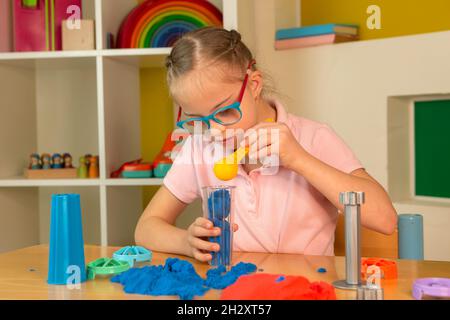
(35, 55)
(135, 52)
(24, 182)
(134, 182)
(142, 58)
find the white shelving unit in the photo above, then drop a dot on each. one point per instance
(78, 102)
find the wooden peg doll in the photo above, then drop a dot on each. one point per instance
(87, 157)
(93, 167)
(82, 171)
(67, 160)
(35, 162)
(57, 161)
(46, 160)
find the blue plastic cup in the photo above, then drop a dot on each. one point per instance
(218, 208)
(66, 264)
(410, 236)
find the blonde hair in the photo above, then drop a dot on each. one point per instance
(212, 46)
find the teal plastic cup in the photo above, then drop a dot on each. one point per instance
(66, 263)
(410, 236)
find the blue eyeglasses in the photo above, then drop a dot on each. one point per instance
(227, 115)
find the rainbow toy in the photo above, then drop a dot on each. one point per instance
(159, 23)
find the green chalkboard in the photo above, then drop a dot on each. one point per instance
(432, 148)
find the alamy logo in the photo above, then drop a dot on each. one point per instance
(374, 20)
(74, 21)
(74, 278)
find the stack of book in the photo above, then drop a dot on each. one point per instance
(315, 35)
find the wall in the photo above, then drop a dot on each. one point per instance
(348, 87)
(156, 117)
(17, 138)
(398, 17)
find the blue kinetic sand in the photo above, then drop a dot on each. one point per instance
(219, 207)
(218, 278)
(219, 203)
(223, 256)
(178, 277)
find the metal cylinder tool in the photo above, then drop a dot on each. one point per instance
(352, 202)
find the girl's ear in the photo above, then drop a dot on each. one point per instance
(256, 84)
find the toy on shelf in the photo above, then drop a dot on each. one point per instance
(106, 266)
(160, 166)
(67, 158)
(50, 167)
(79, 38)
(133, 169)
(132, 254)
(88, 157)
(82, 171)
(35, 162)
(57, 161)
(93, 167)
(137, 170)
(61, 167)
(88, 167)
(159, 23)
(163, 161)
(46, 160)
(118, 173)
(37, 24)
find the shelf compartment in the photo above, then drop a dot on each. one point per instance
(124, 207)
(114, 13)
(90, 210)
(49, 106)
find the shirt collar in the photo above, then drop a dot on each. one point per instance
(282, 115)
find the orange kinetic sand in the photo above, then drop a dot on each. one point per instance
(264, 286)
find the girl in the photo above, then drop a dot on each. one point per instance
(212, 76)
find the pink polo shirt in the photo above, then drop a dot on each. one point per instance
(280, 213)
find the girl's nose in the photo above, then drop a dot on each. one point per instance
(218, 126)
(218, 131)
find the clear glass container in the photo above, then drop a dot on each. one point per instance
(218, 207)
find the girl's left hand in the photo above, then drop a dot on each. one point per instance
(273, 139)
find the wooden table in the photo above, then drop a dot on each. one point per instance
(23, 274)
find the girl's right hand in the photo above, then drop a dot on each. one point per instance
(197, 234)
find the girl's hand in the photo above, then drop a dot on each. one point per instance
(274, 140)
(197, 234)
